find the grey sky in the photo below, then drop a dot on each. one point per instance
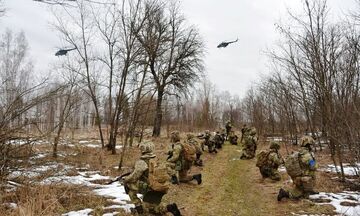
(233, 68)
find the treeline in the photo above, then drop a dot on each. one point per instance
(314, 83)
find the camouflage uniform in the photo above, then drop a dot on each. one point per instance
(228, 128)
(177, 165)
(137, 182)
(191, 139)
(209, 142)
(249, 148)
(219, 140)
(233, 138)
(274, 160)
(244, 131)
(304, 184)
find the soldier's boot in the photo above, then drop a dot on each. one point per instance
(282, 194)
(174, 179)
(173, 209)
(138, 210)
(313, 192)
(197, 177)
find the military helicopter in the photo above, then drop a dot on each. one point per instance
(225, 44)
(63, 51)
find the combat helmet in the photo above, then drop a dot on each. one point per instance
(146, 147)
(274, 145)
(252, 131)
(175, 136)
(190, 136)
(307, 141)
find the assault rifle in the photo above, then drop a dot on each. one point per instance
(119, 178)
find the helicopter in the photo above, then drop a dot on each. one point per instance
(225, 44)
(63, 51)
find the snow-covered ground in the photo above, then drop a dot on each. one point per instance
(348, 170)
(115, 192)
(276, 139)
(35, 171)
(346, 203)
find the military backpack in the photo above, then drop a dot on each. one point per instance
(262, 158)
(189, 151)
(159, 179)
(292, 165)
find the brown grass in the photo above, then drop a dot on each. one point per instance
(50, 200)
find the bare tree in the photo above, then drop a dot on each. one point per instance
(77, 29)
(68, 99)
(174, 52)
(19, 94)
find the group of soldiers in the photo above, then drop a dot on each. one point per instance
(146, 177)
(300, 166)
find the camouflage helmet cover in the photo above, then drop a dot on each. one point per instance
(274, 145)
(175, 136)
(306, 140)
(146, 147)
(252, 131)
(190, 136)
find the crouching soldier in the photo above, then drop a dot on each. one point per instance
(219, 140)
(228, 127)
(181, 157)
(191, 140)
(269, 162)
(301, 167)
(209, 141)
(250, 145)
(233, 138)
(152, 181)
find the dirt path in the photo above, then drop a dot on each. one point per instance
(235, 187)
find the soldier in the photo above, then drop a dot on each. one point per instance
(228, 128)
(269, 162)
(191, 139)
(208, 141)
(179, 166)
(138, 182)
(219, 140)
(233, 138)
(244, 130)
(249, 148)
(301, 167)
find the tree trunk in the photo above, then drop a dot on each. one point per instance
(158, 115)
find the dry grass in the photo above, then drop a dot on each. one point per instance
(50, 200)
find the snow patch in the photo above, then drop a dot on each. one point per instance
(348, 169)
(115, 191)
(11, 205)
(38, 156)
(275, 139)
(282, 169)
(84, 178)
(36, 171)
(84, 212)
(111, 214)
(346, 203)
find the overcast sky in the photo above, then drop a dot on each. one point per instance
(233, 68)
